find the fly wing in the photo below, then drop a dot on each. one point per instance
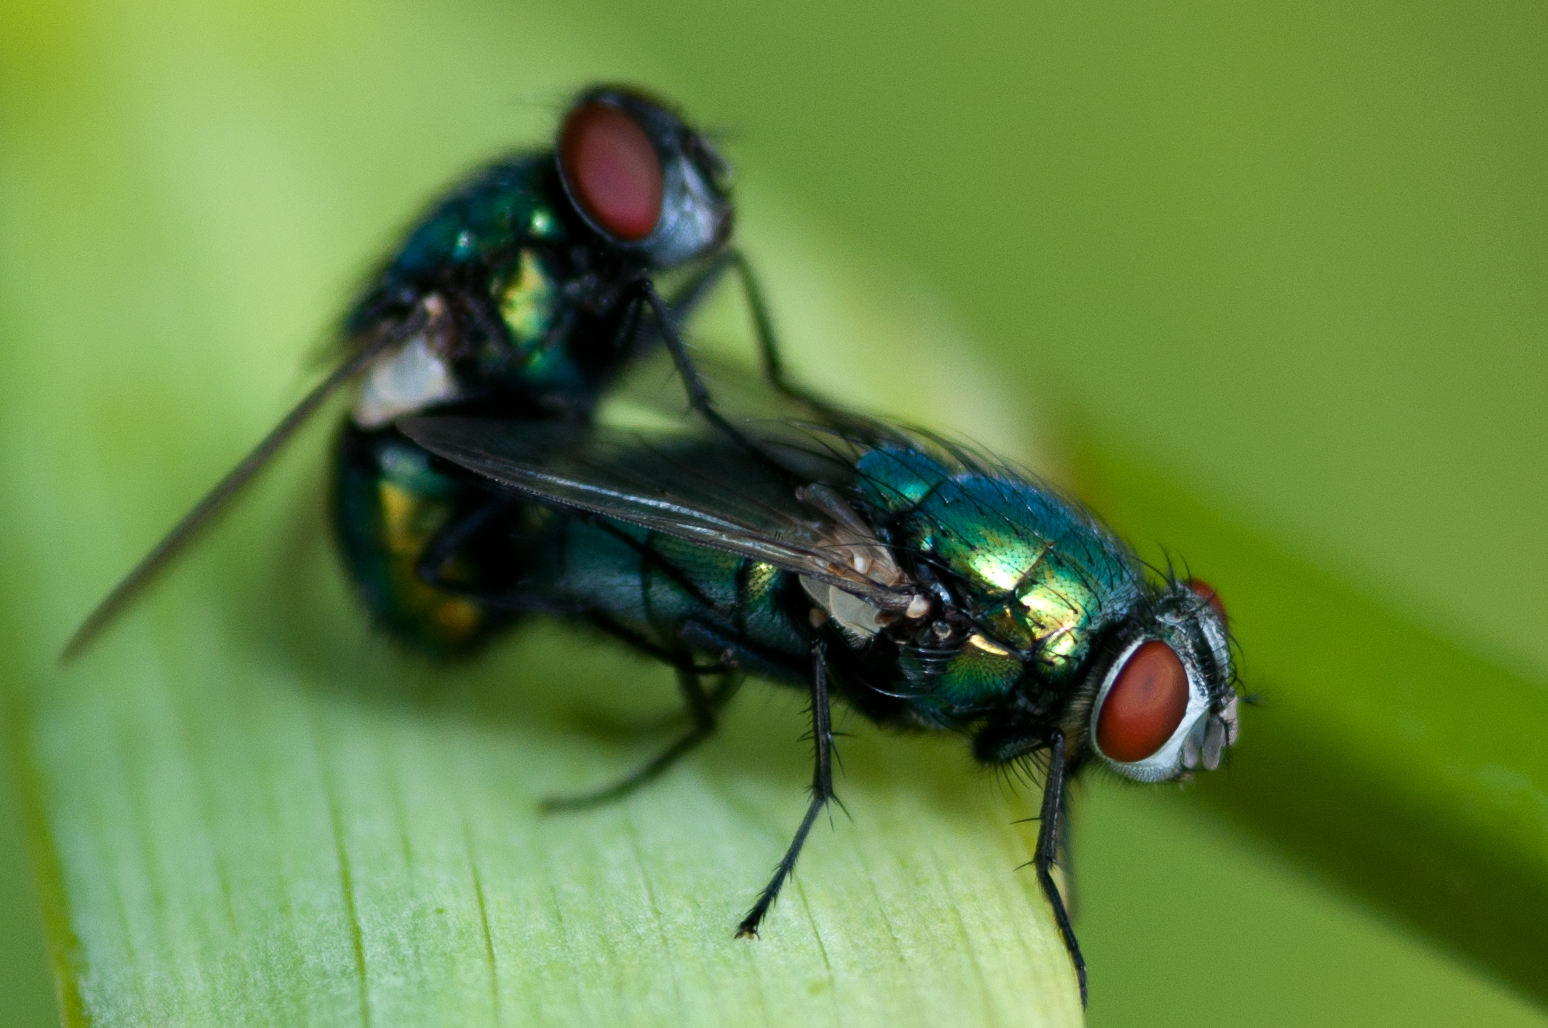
(705, 490)
(199, 517)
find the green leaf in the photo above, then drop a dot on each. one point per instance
(246, 809)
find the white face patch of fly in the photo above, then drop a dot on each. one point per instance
(1215, 635)
(403, 381)
(1209, 739)
(690, 215)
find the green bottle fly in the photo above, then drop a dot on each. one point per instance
(924, 585)
(521, 294)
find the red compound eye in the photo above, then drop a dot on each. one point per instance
(1145, 704)
(1204, 591)
(612, 169)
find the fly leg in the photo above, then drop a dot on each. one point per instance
(1066, 858)
(693, 292)
(693, 384)
(768, 346)
(1049, 835)
(703, 708)
(686, 299)
(445, 545)
(763, 328)
(822, 793)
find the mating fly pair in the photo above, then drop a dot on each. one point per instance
(924, 585)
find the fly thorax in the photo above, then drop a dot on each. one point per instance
(963, 675)
(527, 299)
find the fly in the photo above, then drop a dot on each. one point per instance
(521, 293)
(920, 583)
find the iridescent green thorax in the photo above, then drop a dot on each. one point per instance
(528, 294)
(511, 200)
(1036, 577)
(497, 240)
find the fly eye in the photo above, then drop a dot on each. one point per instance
(612, 169)
(1206, 592)
(1145, 705)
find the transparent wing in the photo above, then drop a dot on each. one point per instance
(705, 490)
(133, 585)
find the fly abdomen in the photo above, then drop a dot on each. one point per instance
(391, 511)
(676, 596)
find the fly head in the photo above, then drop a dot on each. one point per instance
(642, 178)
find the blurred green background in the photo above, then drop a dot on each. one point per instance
(1293, 256)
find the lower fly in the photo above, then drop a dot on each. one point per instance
(923, 584)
